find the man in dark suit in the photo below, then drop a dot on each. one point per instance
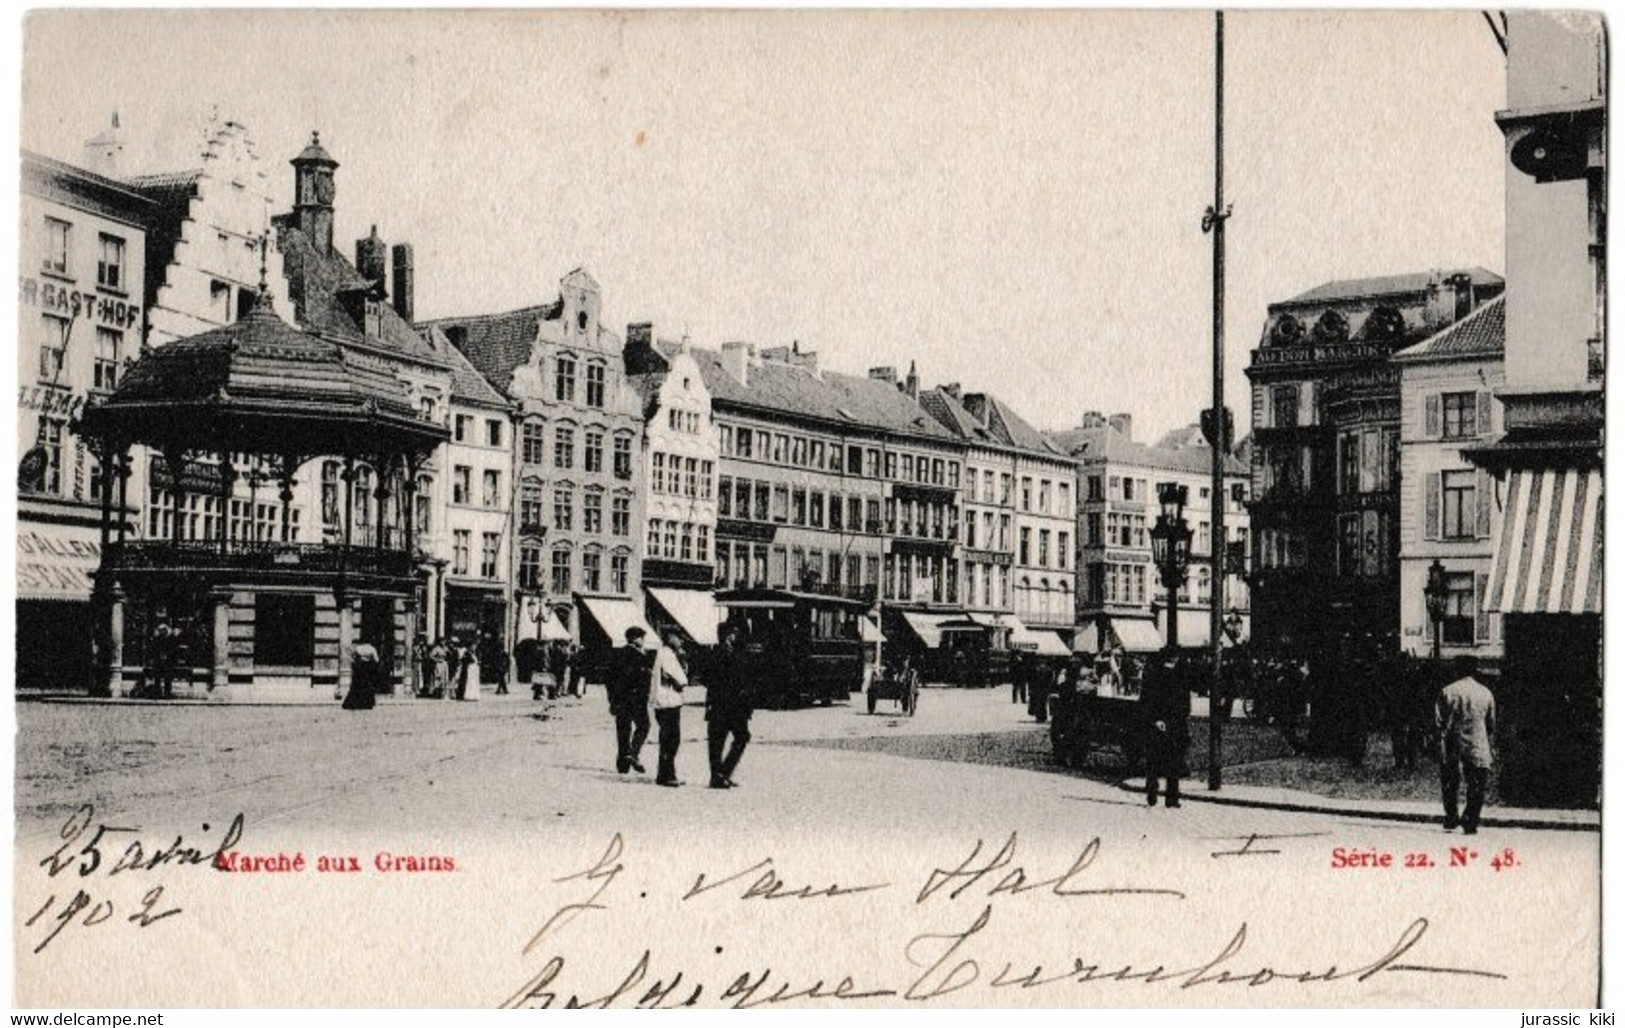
(1166, 710)
(727, 708)
(628, 689)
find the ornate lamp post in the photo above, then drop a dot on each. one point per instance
(1437, 592)
(1171, 549)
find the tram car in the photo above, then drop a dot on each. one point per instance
(799, 647)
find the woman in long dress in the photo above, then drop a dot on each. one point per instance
(471, 674)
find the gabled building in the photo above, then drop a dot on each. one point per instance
(577, 457)
(680, 454)
(1326, 423)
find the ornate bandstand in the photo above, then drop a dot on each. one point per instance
(261, 607)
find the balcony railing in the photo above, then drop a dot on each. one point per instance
(258, 556)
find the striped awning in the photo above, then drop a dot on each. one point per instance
(1549, 559)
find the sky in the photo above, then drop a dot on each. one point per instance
(1012, 200)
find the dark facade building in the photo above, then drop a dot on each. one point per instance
(1325, 463)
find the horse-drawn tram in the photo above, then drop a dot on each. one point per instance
(799, 647)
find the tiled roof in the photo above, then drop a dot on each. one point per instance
(497, 344)
(167, 180)
(1004, 426)
(954, 417)
(1483, 333)
(1389, 285)
(467, 383)
(317, 280)
(776, 388)
(1107, 443)
(258, 376)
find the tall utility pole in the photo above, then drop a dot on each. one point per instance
(1219, 424)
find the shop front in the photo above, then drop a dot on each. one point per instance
(56, 627)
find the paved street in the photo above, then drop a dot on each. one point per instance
(520, 803)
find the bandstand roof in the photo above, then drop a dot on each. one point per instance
(261, 385)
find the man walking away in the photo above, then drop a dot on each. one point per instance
(1166, 709)
(727, 708)
(1465, 717)
(666, 684)
(628, 690)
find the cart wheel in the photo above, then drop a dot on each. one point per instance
(871, 699)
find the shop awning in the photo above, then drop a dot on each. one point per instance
(1137, 636)
(694, 610)
(1086, 639)
(928, 626)
(549, 630)
(615, 616)
(869, 632)
(1045, 644)
(1193, 629)
(56, 564)
(1549, 559)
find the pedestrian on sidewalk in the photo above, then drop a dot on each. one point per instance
(1465, 717)
(630, 667)
(364, 668)
(727, 708)
(1166, 710)
(667, 680)
(440, 657)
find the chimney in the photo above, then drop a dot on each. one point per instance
(952, 389)
(371, 256)
(104, 150)
(887, 374)
(911, 385)
(736, 361)
(1092, 419)
(977, 405)
(1124, 424)
(638, 351)
(777, 354)
(402, 285)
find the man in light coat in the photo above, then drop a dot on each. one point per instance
(1465, 717)
(667, 680)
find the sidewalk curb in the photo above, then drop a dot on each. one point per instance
(1409, 817)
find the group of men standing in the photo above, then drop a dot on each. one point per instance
(1463, 716)
(641, 678)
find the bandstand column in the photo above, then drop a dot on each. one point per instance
(220, 601)
(346, 642)
(177, 492)
(286, 496)
(123, 493)
(228, 478)
(115, 640)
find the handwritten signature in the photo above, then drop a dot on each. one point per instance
(96, 852)
(940, 963)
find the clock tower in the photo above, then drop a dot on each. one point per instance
(313, 194)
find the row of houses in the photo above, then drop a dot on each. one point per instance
(587, 481)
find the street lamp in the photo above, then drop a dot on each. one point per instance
(1437, 592)
(1171, 550)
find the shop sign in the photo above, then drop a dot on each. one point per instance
(51, 296)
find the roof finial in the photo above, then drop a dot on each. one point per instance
(262, 302)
